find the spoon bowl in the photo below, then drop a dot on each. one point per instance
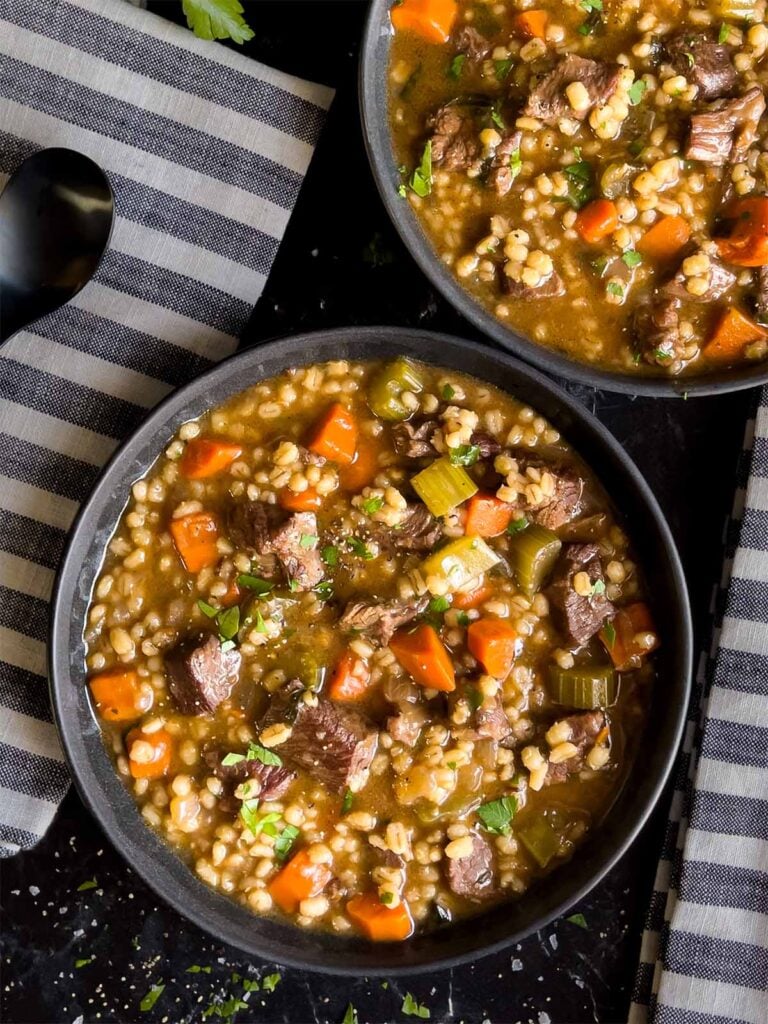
(56, 217)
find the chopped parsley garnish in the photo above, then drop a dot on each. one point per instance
(631, 258)
(307, 540)
(258, 753)
(636, 147)
(261, 626)
(598, 587)
(659, 353)
(226, 1009)
(464, 455)
(413, 1009)
(457, 65)
(197, 969)
(581, 183)
(496, 117)
(371, 505)
(84, 962)
(251, 985)
(207, 609)
(591, 5)
(230, 759)
(463, 619)
(439, 605)
(151, 998)
(359, 548)
(515, 162)
(330, 555)
(324, 590)
(474, 697)
(293, 586)
(517, 525)
(614, 288)
(248, 810)
(85, 886)
(217, 19)
(636, 91)
(497, 815)
(227, 621)
(579, 920)
(346, 803)
(421, 179)
(610, 635)
(593, 23)
(386, 897)
(284, 841)
(448, 392)
(254, 583)
(401, 191)
(350, 1015)
(270, 983)
(722, 35)
(503, 67)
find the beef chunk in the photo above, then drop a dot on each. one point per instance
(584, 729)
(413, 439)
(405, 727)
(581, 616)
(303, 565)
(720, 280)
(379, 619)
(761, 297)
(564, 505)
(547, 100)
(472, 43)
(656, 327)
(490, 720)
(727, 129)
(333, 743)
(501, 173)
(455, 139)
(488, 445)
(201, 675)
(419, 531)
(550, 288)
(704, 62)
(250, 525)
(586, 529)
(271, 781)
(472, 876)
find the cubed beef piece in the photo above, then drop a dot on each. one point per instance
(704, 62)
(501, 172)
(547, 100)
(472, 43)
(380, 619)
(419, 531)
(564, 505)
(761, 295)
(455, 139)
(250, 525)
(271, 781)
(333, 743)
(296, 545)
(413, 438)
(405, 727)
(587, 529)
(472, 877)
(550, 288)
(488, 445)
(584, 729)
(490, 719)
(727, 129)
(201, 675)
(581, 617)
(719, 280)
(656, 328)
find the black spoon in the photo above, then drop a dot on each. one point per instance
(56, 216)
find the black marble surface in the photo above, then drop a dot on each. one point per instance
(341, 263)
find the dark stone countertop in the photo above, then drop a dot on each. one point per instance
(342, 263)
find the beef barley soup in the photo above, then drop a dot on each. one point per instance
(594, 172)
(369, 647)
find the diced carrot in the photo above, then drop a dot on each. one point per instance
(431, 19)
(747, 244)
(205, 456)
(335, 436)
(297, 881)
(494, 644)
(350, 678)
(152, 758)
(597, 220)
(195, 538)
(464, 599)
(117, 695)
(378, 921)
(531, 24)
(299, 501)
(361, 472)
(619, 634)
(665, 239)
(423, 655)
(487, 515)
(733, 332)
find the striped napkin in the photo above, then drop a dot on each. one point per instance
(206, 151)
(704, 953)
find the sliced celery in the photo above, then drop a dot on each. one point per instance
(442, 486)
(584, 686)
(460, 561)
(541, 840)
(387, 387)
(532, 555)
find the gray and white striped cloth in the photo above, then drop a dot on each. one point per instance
(704, 953)
(206, 151)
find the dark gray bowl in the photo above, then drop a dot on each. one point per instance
(112, 805)
(374, 104)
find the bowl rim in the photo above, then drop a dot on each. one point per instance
(97, 781)
(381, 157)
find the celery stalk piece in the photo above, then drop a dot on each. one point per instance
(584, 686)
(442, 486)
(532, 555)
(540, 840)
(387, 387)
(460, 561)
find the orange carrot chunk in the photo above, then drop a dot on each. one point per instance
(117, 695)
(619, 635)
(379, 922)
(361, 472)
(487, 515)
(350, 678)
(494, 644)
(531, 24)
(597, 220)
(733, 332)
(431, 19)
(423, 655)
(299, 501)
(665, 239)
(297, 881)
(335, 436)
(195, 538)
(747, 244)
(205, 457)
(464, 599)
(149, 753)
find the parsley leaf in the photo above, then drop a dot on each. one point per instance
(464, 455)
(151, 998)
(261, 626)
(251, 985)
(463, 619)
(517, 525)
(84, 962)
(421, 179)
(386, 897)
(614, 288)
(610, 635)
(497, 815)
(229, 622)
(371, 505)
(330, 555)
(439, 605)
(346, 803)
(503, 67)
(359, 548)
(722, 35)
(515, 162)
(85, 886)
(413, 1009)
(207, 609)
(248, 810)
(581, 183)
(270, 983)
(255, 583)
(591, 5)
(324, 590)
(307, 540)
(217, 19)
(598, 587)
(448, 392)
(457, 65)
(636, 91)
(284, 841)
(350, 1016)
(496, 117)
(258, 753)
(578, 919)
(230, 759)
(631, 258)
(474, 697)
(197, 969)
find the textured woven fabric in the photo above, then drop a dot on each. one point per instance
(704, 954)
(206, 151)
